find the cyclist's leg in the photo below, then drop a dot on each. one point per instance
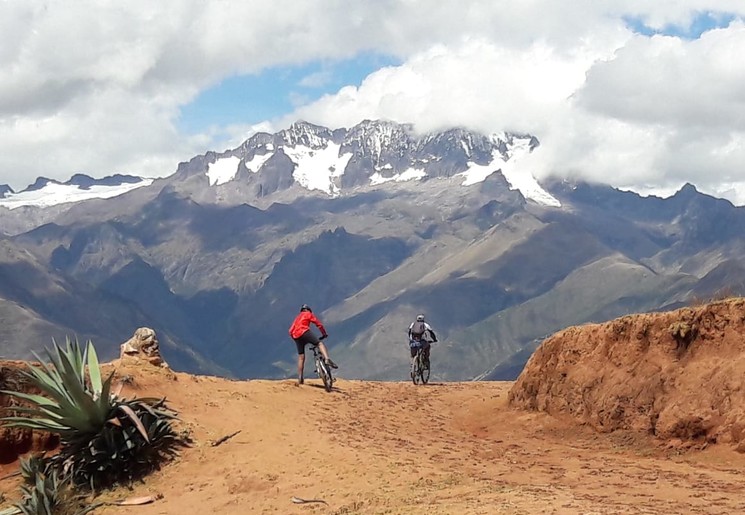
(413, 348)
(426, 349)
(325, 354)
(300, 344)
(310, 337)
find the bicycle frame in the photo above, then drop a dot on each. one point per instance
(419, 372)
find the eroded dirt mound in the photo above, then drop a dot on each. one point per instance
(16, 441)
(678, 375)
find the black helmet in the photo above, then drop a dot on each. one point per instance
(420, 318)
(305, 307)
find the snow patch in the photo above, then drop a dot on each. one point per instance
(518, 177)
(255, 164)
(223, 170)
(408, 175)
(521, 178)
(316, 169)
(465, 148)
(478, 173)
(53, 194)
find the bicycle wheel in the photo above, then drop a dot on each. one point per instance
(415, 368)
(329, 383)
(325, 374)
(424, 369)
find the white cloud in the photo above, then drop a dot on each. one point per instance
(672, 81)
(316, 80)
(96, 87)
(475, 83)
(623, 109)
(663, 110)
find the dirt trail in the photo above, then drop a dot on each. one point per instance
(373, 448)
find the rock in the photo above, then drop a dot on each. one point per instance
(677, 375)
(143, 346)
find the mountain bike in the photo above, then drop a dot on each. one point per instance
(322, 369)
(420, 367)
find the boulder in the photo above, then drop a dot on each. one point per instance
(143, 346)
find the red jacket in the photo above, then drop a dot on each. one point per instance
(302, 323)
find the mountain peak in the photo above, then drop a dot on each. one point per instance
(5, 190)
(305, 134)
(81, 180)
(369, 154)
(85, 182)
(39, 183)
(688, 189)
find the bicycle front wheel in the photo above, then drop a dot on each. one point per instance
(416, 368)
(424, 369)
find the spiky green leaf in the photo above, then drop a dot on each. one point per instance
(36, 399)
(94, 369)
(80, 397)
(105, 401)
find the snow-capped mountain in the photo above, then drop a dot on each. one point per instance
(370, 225)
(334, 162)
(371, 153)
(48, 192)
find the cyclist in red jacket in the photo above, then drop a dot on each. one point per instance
(300, 332)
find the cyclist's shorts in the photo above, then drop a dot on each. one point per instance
(414, 348)
(308, 337)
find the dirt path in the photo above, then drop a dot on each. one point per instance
(374, 448)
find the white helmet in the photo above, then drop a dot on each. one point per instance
(420, 318)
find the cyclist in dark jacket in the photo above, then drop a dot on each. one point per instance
(301, 332)
(421, 335)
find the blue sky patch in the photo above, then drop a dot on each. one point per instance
(249, 99)
(703, 22)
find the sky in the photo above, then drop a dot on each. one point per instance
(643, 95)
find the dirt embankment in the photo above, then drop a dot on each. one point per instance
(679, 376)
(16, 441)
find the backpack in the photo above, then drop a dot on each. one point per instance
(417, 330)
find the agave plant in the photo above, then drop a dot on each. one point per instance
(32, 466)
(103, 438)
(43, 494)
(48, 493)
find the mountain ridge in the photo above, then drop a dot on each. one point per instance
(220, 259)
(370, 153)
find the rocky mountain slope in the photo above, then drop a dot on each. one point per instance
(370, 225)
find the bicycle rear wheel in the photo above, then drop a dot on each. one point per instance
(325, 374)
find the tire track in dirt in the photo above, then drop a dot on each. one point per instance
(462, 438)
